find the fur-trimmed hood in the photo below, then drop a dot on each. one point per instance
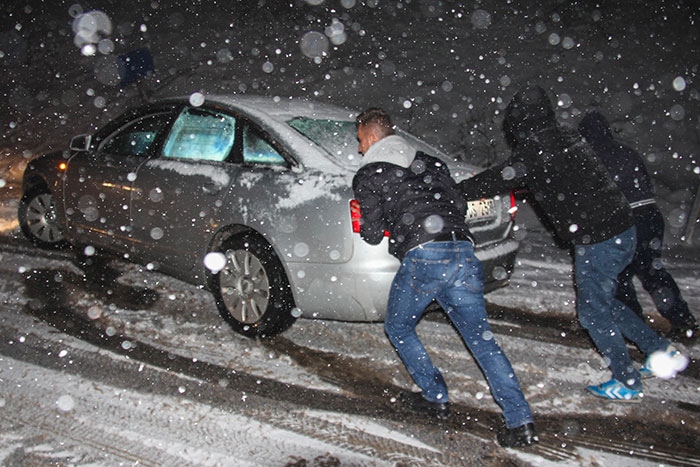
(392, 149)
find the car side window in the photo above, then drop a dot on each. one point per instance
(256, 150)
(137, 137)
(201, 134)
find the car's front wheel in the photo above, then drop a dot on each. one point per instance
(37, 218)
(252, 291)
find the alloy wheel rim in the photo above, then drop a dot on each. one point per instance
(244, 286)
(41, 219)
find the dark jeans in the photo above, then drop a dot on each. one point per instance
(607, 320)
(450, 273)
(648, 267)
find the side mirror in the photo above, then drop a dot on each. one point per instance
(80, 143)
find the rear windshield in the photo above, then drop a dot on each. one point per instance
(339, 139)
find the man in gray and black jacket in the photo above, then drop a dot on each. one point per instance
(413, 196)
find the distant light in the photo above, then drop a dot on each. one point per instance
(62, 166)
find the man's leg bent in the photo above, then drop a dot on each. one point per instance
(464, 304)
(654, 277)
(636, 329)
(597, 267)
(404, 310)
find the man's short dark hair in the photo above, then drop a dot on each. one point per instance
(374, 116)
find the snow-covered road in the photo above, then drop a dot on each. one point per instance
(143, 370)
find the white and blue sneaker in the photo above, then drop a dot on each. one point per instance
(665, 364)
(615, 391)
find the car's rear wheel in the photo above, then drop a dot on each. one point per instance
(252, 291)
(37, 218)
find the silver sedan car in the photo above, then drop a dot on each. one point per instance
(248, 196)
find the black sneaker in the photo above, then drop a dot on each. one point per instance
(416, 402)
(523, 435)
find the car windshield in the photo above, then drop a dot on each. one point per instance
(339, 139)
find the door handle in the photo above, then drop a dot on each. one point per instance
(211, 188)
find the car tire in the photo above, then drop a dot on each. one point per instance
(37, 218)
(252, 292)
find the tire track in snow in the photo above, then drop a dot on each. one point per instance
(216, 432)
(201, 382)
(189, 434)
(171, 382)
(385, 447)
(32, 412)
(550, 447)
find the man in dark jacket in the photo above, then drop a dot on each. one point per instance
(413, 196)
(585, 208)
(627, 169)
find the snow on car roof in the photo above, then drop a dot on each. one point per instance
(283, 109)
(276, 112)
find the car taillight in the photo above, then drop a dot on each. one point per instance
(513, 207)
(356, 216)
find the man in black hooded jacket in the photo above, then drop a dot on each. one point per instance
(413, 196)
(627, 169)
(586, 209)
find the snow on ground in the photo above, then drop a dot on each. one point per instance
(152, 428)
(183, 320)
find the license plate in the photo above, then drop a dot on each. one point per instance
(482, 209)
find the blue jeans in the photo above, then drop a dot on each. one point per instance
(606, 319)
(450, 273)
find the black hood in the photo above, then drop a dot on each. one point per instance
(596, 129)
(529, 112)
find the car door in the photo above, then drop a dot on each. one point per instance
(175, 196)
(98, 183)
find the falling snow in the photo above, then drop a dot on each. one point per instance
(445, 71)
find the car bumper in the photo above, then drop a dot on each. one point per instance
(359, 289)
